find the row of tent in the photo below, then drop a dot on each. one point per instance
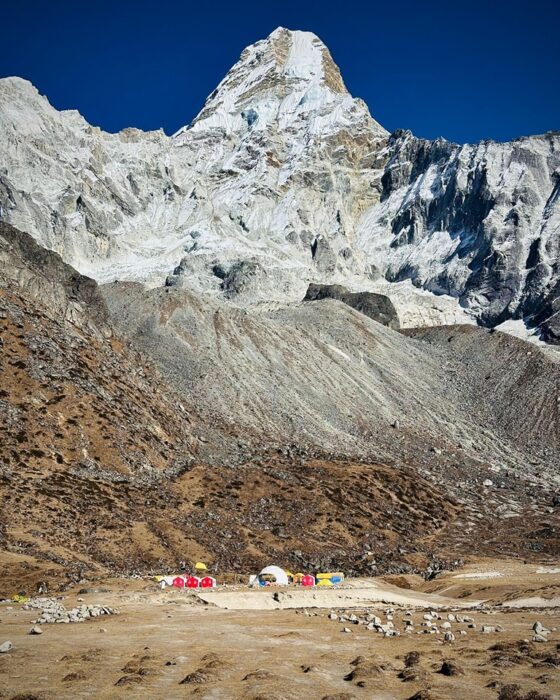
(274, 575)
(269, 576)
(187, 581)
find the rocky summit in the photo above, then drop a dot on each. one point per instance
(281, 332)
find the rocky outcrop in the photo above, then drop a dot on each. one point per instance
(377, 306)
(547, 317)
(43, 276)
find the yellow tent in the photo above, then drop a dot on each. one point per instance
(199, 566)
(330, 575)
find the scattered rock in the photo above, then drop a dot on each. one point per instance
(5, 647)
(52, 610)
(539, 628)
(36, 630)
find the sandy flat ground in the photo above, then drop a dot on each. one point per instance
(160, 639)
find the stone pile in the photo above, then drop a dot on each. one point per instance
(52, 611)
(431, 623)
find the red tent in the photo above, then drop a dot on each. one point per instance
(308, 580)
(208, 582)
(193, 582)
(178, 582)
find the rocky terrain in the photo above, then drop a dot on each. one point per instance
(145, 427)
(321, 643)
(284, 179)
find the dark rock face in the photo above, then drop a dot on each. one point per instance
(42, 275)
(550, 329)
(547, 317)
(477, 222)
(377, 306)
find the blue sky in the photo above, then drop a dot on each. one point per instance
(462, 70)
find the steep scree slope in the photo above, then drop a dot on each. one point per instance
(321, 375)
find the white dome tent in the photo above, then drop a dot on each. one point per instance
(280, 576)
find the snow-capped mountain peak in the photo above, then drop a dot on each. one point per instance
(287, 79)
(284, 179)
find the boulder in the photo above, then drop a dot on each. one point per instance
(376, 306)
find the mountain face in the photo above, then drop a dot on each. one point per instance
(282, 180)
(480, 223)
